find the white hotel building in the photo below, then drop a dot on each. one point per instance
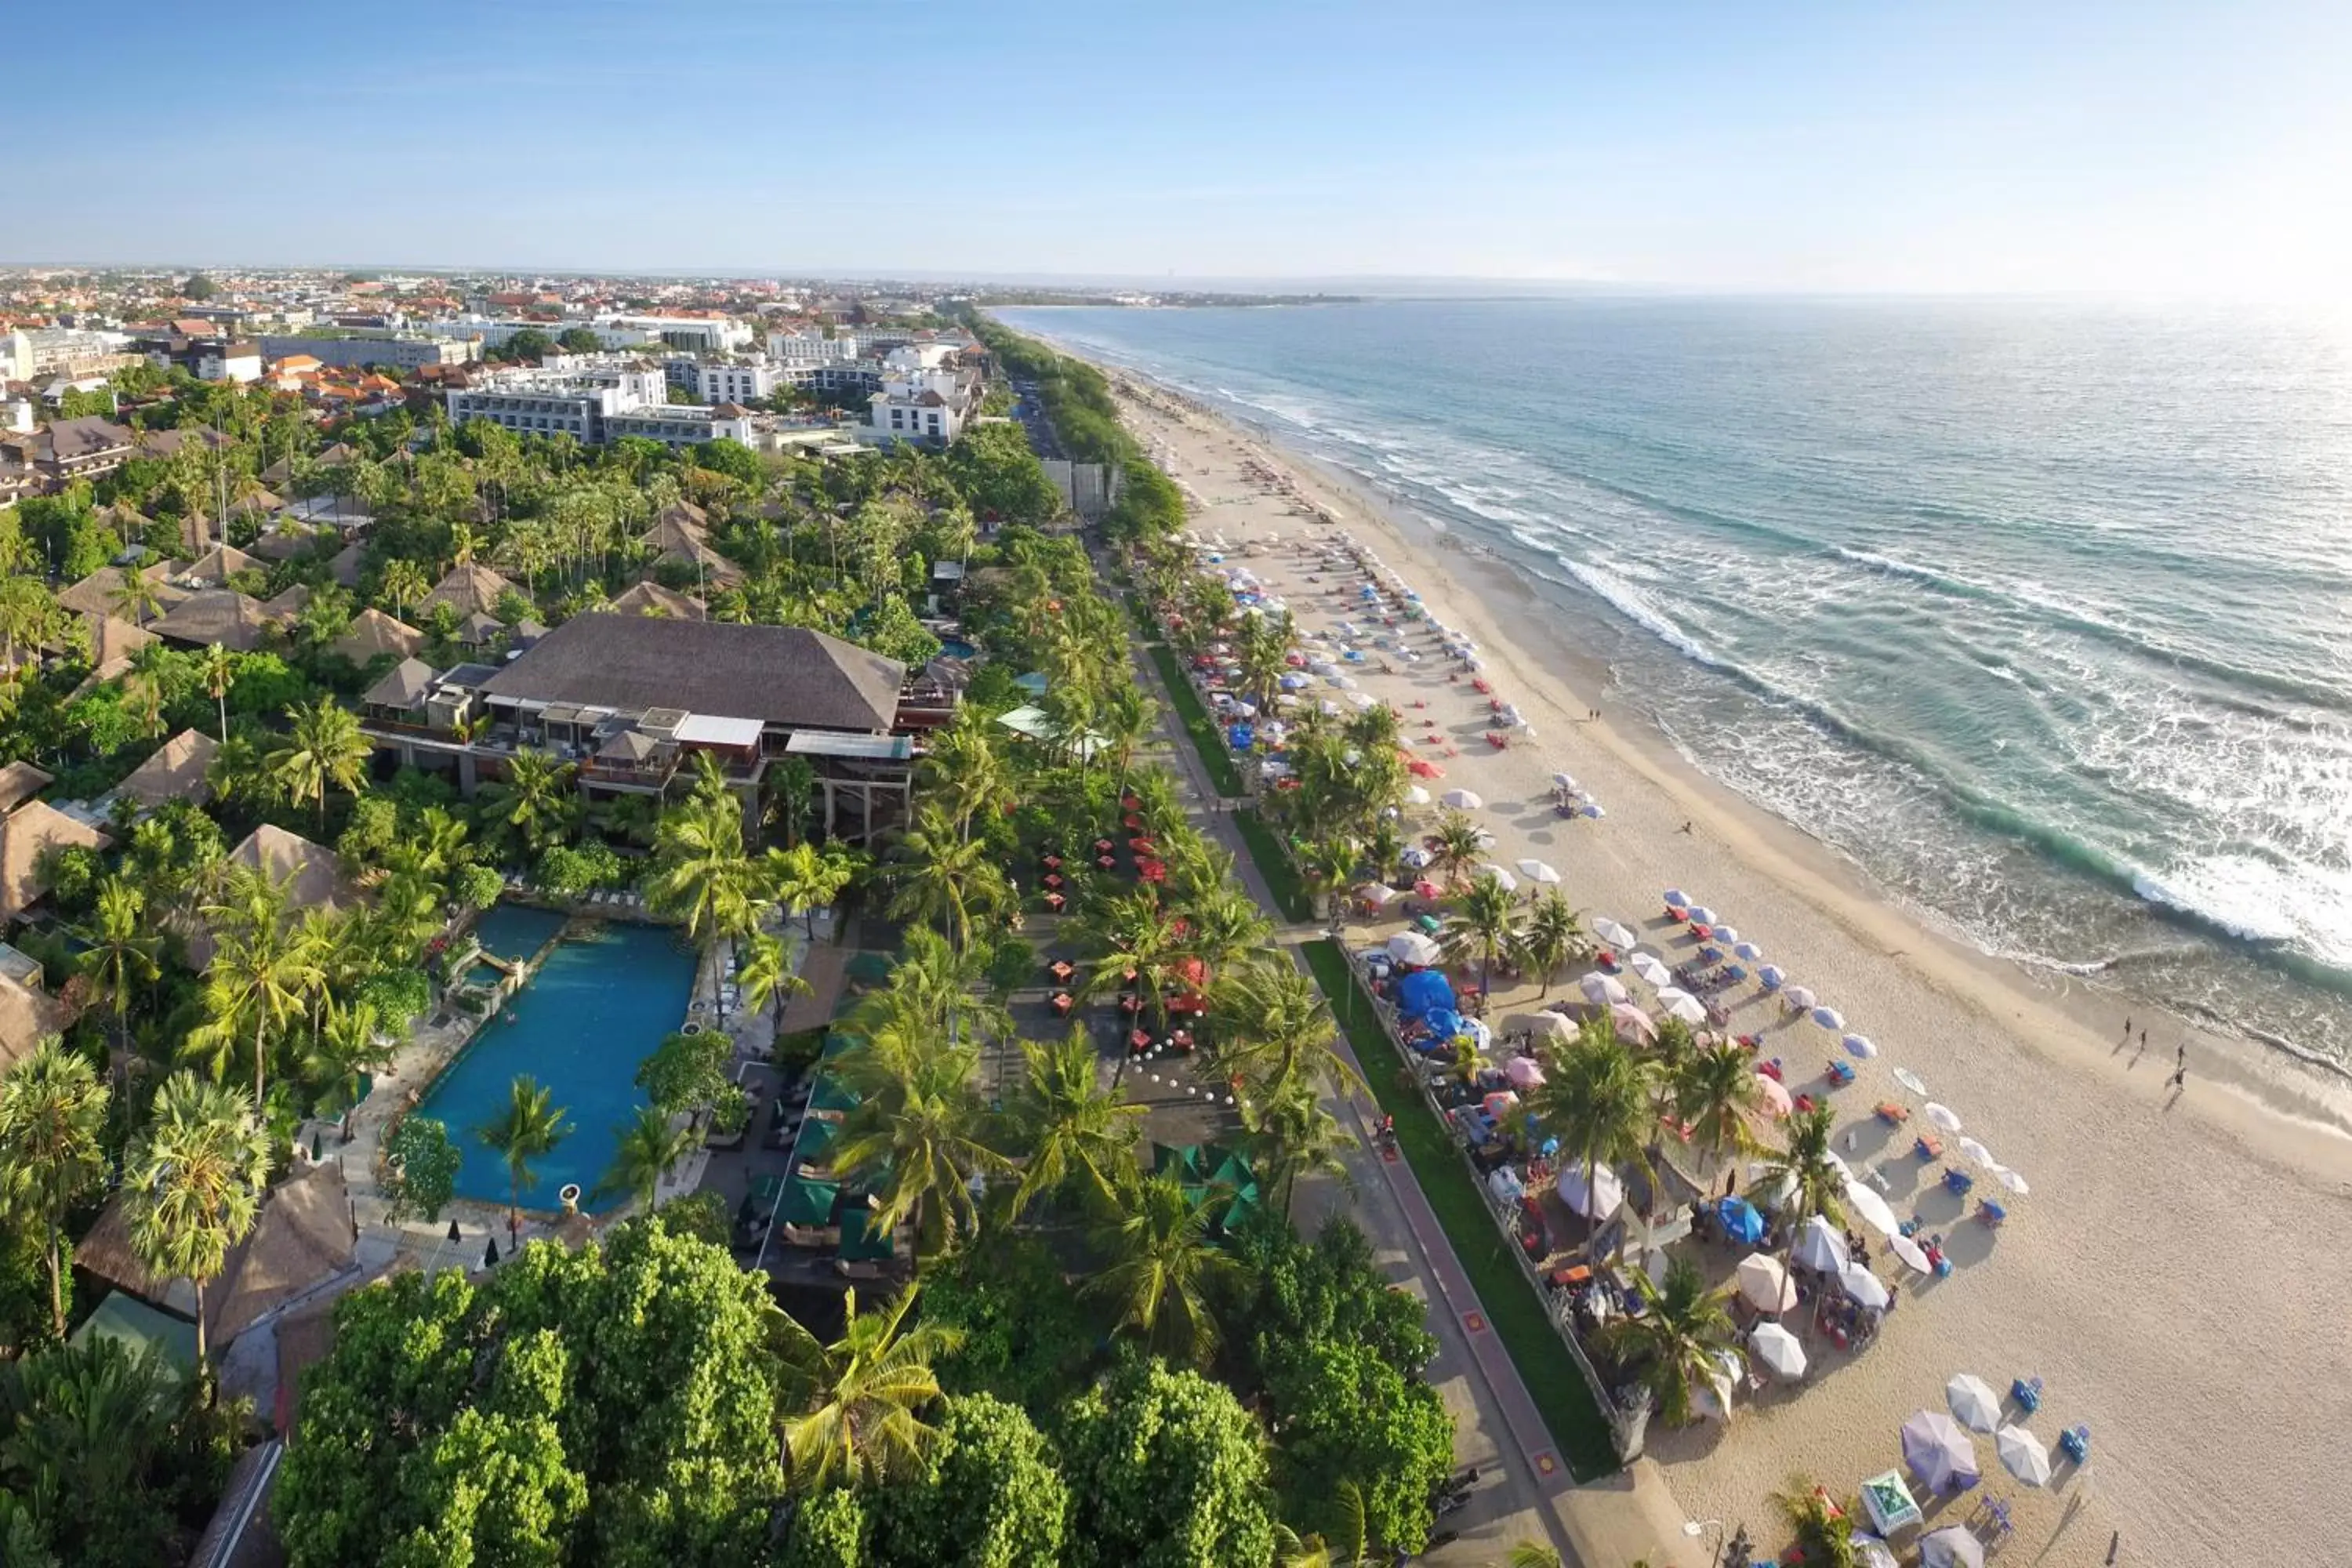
(927, 396)
(595, 399)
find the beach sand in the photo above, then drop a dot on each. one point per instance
(2178, 1277)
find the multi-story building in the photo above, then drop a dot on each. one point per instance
(28, 353)
(357, 349)
(794, 348)
(682, 424)
(721, 380)
(927, 395)
(53, 456)
(595, 399)
(206, 359)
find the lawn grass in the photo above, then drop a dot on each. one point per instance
(1197, 723)
(1281, 874)
(1566, 1404)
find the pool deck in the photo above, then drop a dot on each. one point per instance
(430, 1047)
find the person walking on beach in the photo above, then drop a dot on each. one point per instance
(2180, 1067)
(2127, 1031)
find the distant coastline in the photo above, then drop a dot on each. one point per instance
(1136, 300)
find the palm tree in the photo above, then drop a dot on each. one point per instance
(1712, 1094)
(120, 951)
(1530, 1554)
(1456, 845)
(1485, 926)
(648, 1147)
(1159, 1266)
(1274, 1031)
(803, 878)
(348, 1044)
(1125, 720)
(323, 748)
(1674, 1346)
(1805, 1169)
(535, 802)
(965, 769)
(1551, 937)
(261, 973)
(858, 1421)
(918, 1131)
(1297, 1135)
(945, 879)
(700, 873)
(136, 597)
(1823, 1530)
(192, 1182)
(530, 1126)
(767, 976)
(1327, 865)
(219, 676)
(52, 1109)
(402, 584)
(1596, 1098)
(1077, 1131)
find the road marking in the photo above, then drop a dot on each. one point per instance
(1475, 1321)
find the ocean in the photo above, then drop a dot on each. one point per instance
(2041, 612)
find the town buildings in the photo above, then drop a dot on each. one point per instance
(927, 395)
(390, 350)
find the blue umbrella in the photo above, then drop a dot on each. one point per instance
(1444, 1024)
(1740, 1220)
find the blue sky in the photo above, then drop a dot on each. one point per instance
(1909, 144)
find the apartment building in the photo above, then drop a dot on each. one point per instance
(356, 349)
(927, 395)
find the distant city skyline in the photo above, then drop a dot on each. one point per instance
(2150, 149)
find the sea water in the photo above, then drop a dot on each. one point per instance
(2040, 612)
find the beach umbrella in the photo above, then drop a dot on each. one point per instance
(1422, 768)
(1500, 876)
(1770, 976)
(1819, 1247)
(1740, 1220)
(1612, 933)
(1889, 1502)
(1379, 893)
(1747, 949)
(1973, 1150)
(1601, 990)
(1651, 968)
(1727, 935)
(1632, 1023)
(1950, 1547)
(2011, 1180)
(1713, 1400)
(1416, 795)
(1524, 1072)
(1870, 1552)
(1972, 1400)
(1943, 1116)
(2022, 1455)
(1828, 1019)
(1938, 1452)
(1765, 1284)
(1462, 799)
(1676, 899)
(1773, 1096)
(1481, 1034)
(1872, 1210)
(1700, 915)
(1538, 872)
(1412, 947)
(1607, 1191)
(1778, 1349)
(1800, 997)
(1866, 1288)
(1505, 1184)
(1561, 780)
(1913, 1256)
(1428, 889)
(1860, 1045)
(1416, 856)
(1910, 1081)
(1689, 1009)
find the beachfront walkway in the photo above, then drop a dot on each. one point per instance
(1623, 1518)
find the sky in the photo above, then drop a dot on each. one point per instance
(2145, 148)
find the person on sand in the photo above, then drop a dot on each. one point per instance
(1685, 828)
(2127, 1031)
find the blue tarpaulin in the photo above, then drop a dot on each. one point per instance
(1241, 737)
(1740, 1220)
(1422, 992)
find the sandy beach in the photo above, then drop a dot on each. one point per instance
(2175, 1276)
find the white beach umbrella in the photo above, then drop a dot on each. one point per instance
(1870, 1552)
(1700, 915)
(1747, 950)
(1819, 1247)
(1913, 1256)
(1602, 990)
(1500, 876)
(1726, 934)
(1416, 856)
(1937, 1450)
(1943, 1116)
(1676, 899)
(1800, 997)
(1591, 808)
(1972, 1400)
(1651, 968)
(1765, 1284)
(1689, 1009)
(2022, 1455)
(1379, 893)
(1973, 1150)
(1828, 1019)
(1462, 799)
(1713, 1400)
(2011, 1180)
(1873, 1211)
(1950, 1547)
(1778, 1349)
(1416, 795)
(1561, 780)
(1632, 1023)
(1486, 838)
(1608, 1192)
(1860, 1045)
(1910, 1081)
(1612, 933)
(1538, 872)
(1413, 947)
(1866, 1288)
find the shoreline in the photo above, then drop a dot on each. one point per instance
(2096, 1283)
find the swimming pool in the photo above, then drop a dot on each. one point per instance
(580, 1026)
(511, 932)
(957, 647)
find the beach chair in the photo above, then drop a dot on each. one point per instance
(1839, 1073)
(1498, 740)
(1957, 1182)
(1990, 1214)
(1929, 1148)
(2075, 1443)
(1894, 1115)
(2026, 1392)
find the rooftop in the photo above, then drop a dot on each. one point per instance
(779, 675)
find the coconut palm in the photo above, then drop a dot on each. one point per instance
(648, 1147)
(1456, 845)
(1596, 1099)
(803, 878)
(323, 749)
(136, 598)
(1485, 926)
(1274, 1031)
(346, 1046)
(1823, 1530)
(918, 1133)
(530, 1126)
(191, 1183)
(1674, 1346)
(1159, 1264)
(965, 772)
(1133, 933)
(1805, 1169)
(1383, 847)
(1551, 938)
(1077, 1132)
(946, 879)
(536, 803)
(120, 951)
(1126, 718)
(1329, 865)
(402, 586)
(1225, 927)
(52, 1109)
(700, 874)
(860, 1398)
(261, 976)
(219, 676)
(1294, 1135)
(1713, 1095)
(767, 976)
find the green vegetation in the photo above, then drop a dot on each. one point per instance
(1281, 875)
(1206, 740)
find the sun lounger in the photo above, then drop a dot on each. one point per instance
(1894, 1115)
(1957, 1182)
(1928, 1147)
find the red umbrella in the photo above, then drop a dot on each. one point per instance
(1105, 862)
(1152, 870)
(1061, 1001)
(1102, 844)
(1140, 845)
(1428, 891)
(1131, 820)
(1137, 1040)
(1421, 768)
(1053, 879)
(1052, 862)
(1053, 901)
(1189, 1003)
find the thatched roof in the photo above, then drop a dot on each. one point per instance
(481, 629)
(220, 615)
(700, 554)
(27, 1017)
(285, 606)
(302, 1240)
(344, 568)
(214, 565)
(684, 512)
(403, 686)
(284, 545)
(652, 599)
(672, 533)
(316, 876)
(112, 641)
(20, 782)
(470, 588)
(27, 833)
(373, 632)
(779, 675)
(174, 772)
(94, 594)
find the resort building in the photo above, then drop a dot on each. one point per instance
(927, 395)
(629, 700)
(595, 399)
(353, 350)
(722, 381)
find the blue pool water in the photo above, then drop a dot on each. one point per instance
(580, 1025)
(956, 648)
(516, 930)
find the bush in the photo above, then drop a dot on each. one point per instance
(570, 870)
(398, 996)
